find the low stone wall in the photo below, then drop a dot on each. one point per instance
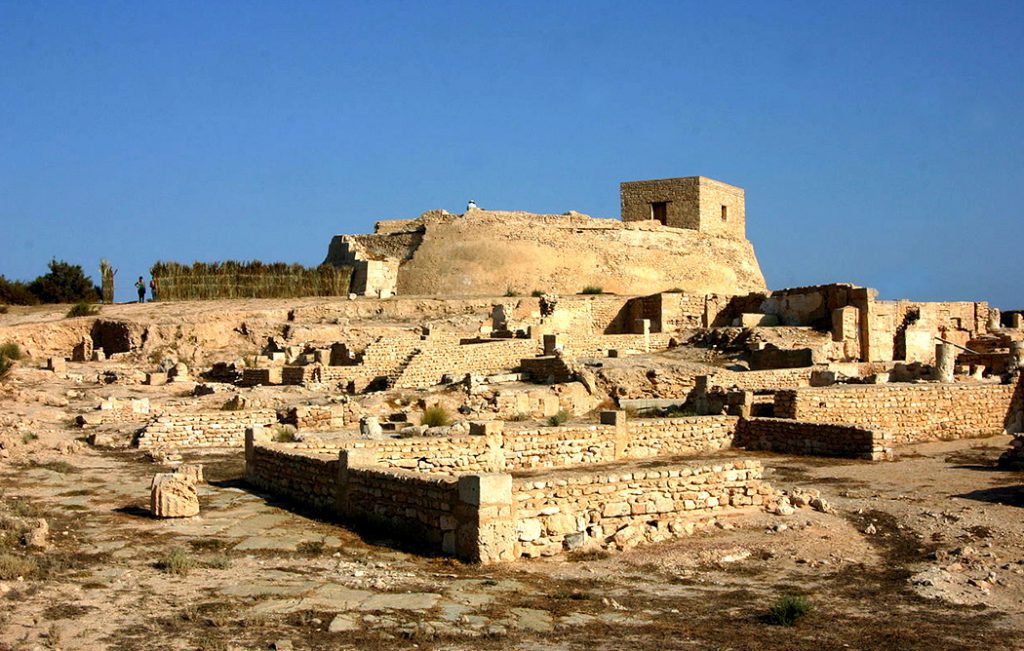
(202, 429)
(436, 359)
(432, 455)
(911, 412)
(817, 439)
(306, 478)
(551, 447)
(627, 507)
(655, 437)
(315, 417)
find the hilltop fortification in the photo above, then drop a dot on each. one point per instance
(686, 233)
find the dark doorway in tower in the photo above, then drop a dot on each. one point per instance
(659, 211)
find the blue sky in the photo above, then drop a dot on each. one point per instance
(879, 143)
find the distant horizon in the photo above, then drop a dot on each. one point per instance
(879, 143)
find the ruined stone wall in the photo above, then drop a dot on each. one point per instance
(315, 417)
(552, 447)
(624, 508)
(815, 439)
(202, 429)
(434, 455)
(660, 437)
(308, 478)
(911, 412)
(678, 382)
(436, 359)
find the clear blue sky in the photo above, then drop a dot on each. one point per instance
(879, 143)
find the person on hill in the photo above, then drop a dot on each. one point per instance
(140, 285)
(152, 288)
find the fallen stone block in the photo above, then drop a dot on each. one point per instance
(173, 496)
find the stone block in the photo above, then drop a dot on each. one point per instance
(358, 458)
(57, 365)
(487, 488)
(173, 496)
(614, 418)
(486, 427)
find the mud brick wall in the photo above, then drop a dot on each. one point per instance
(654, 437)
(202, 429)
(305, 477)
(816, 439)
(558, 446)
(435, 360)
(315, 417)
(622, 509)
(911, 412)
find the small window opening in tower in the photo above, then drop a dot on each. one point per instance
(659, 211)
(725, 213)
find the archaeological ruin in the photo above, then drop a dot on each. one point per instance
(506, 389)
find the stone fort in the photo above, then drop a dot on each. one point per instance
(682, 233)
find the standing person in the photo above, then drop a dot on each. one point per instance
(152, 288)
(140, 285)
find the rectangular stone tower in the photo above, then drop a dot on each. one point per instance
(693, 202)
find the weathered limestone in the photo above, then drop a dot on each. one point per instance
(945, 362)
(173, 495)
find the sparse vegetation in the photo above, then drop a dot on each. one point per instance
(511, 291)
(788, 609)
(255, 279)
(520, 417)
(558, 419)
(83, 309)
(311, 547)
(284, 434)
(177, 561)
(592, 289)
(436, 416)
(11, 567)
(28, 437)
(217, 561)
(537, 293)
(11, 351)
(679, 412)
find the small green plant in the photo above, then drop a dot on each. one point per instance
(284, 434)
(559, 418)
(82, 309)
(537, 293)
(436, 416)
(788, 609)
(28, 437)
(520, 417)
(11, 351)
(177, 561)
(511, 291)
(218, 561)
(679, 412)
(11, 567)
(592, 289)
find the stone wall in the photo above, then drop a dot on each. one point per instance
(436, 359)
(305, 477)
(625, 507)
(315, 417)
(655, 437)
(815, 439)
(202, 429)
(911, 412)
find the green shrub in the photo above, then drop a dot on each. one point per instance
(65, 283)
(537, 293)
(11, 351)
(436, 416)
(592, 289)
(284, 434)
(788, 609)
(510, 291)
(561, 417)
(218, 561)
(82, 309)
(15, 292)
(679, 412)
(177, 561)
